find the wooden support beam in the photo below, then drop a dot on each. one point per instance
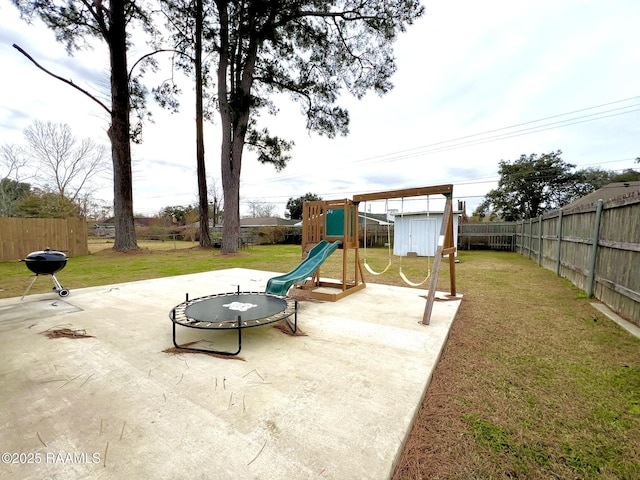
(407, 192)
(446, 243)
(446, 233)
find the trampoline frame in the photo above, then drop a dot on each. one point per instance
(178, 316)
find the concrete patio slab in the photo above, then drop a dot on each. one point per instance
(337, 403)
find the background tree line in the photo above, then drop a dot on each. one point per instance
(534, 184)
(256, 209)
(52, 174)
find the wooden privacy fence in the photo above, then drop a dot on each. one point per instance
(21, 236)
(487, 235)
(596, 247)
(376, 235)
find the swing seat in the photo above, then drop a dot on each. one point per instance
(372, 272)
(409, 282)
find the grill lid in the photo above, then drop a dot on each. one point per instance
(46, 255)
(46, 261)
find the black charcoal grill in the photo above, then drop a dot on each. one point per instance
(46, 262)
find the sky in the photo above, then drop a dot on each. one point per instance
(476, 83)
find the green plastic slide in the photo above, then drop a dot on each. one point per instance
(281, 284)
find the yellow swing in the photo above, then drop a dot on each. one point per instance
(402, 275)
(366, 265)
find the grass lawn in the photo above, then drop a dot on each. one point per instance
(533, 382)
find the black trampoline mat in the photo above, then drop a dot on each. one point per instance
(223, 310)
(229, 307)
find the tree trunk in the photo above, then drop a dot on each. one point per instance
(205, 235)
(234, 115)
(230, 174)
(231, 214)
(119, 132)
(231, 160)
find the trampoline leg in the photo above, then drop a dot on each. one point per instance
(174, 336)
(239, 336)
(218, 352)
(293, 327)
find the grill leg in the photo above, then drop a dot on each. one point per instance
(63, 292)
(35, 277)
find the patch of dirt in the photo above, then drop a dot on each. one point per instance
(231, 255)
(284, 327)
(66, 333)
(200, 248)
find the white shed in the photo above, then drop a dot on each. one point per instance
(418, 233)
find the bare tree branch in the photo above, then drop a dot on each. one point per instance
(151, 54)
(68, 82)
(61, 160)
(12, 159)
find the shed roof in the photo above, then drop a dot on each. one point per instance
(379, 218)
(425, 212)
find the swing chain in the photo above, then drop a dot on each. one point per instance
(365, 263)
(402, 274)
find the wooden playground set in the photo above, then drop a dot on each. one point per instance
(336, 223)
(327, 227)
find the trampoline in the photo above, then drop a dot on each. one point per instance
(232, 311)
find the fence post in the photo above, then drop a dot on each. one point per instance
(559, 242)
(530, 238)
(521, 245)
(539, 240)
(594, 249)
(519, 227)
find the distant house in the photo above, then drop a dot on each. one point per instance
(145, 221)
(108, 227)
(611, 191)
(267, 222)
(107, 230)
(252, 230)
